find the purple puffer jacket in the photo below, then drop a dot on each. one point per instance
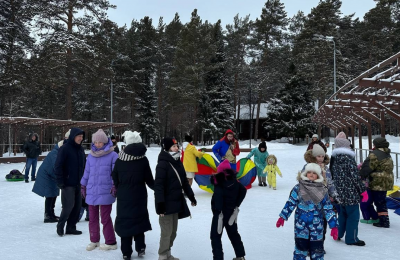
(97, 177)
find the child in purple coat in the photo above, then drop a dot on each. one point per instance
(98, 190)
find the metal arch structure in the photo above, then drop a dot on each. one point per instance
(369, 97)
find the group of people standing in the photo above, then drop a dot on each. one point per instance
(323, 191)
(106, 176)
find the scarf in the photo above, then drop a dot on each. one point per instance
(312, 191)
(95, 152)
(127, 157)
(175, 155)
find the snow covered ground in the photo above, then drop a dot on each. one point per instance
(23, 235)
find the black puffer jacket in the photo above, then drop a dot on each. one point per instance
(167, 188)
(71, 160)
(228, 192)
(130, 175)
(32, 148)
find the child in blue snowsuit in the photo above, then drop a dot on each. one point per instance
(310, 198)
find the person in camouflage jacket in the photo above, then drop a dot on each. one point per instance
(377, 169)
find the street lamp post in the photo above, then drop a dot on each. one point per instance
(329, 39)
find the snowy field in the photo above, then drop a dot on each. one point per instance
(23, 235)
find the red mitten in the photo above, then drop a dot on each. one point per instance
(364, 196)
(335, 233)
(280, 222)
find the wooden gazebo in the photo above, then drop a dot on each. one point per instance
(21, 122)
(369, 97)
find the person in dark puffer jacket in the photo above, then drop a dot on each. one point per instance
(32, 149)
(131, 174)
(69, 168)
(377, 169)
(349, 187)
(226, 200)
(168, 194)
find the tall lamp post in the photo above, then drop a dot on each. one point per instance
(319, 37)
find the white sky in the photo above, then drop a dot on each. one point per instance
(212, 10)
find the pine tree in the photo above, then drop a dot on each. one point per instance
(15, 43)
(146, 103)
(60, 23)
(290, 113)
(219, 94)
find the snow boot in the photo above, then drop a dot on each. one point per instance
(60, 231)
(365, 221)
(92, 246)
(26, 181)
(33, 179)
(239, 258)
(127, 257)
(73, 232)
(171, 257)
(358, 243)
(265, 184)
(108, 247)
(49, 219)
(142, 252)
(260, 184)
(383, 221)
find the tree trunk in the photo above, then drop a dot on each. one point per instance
(68, 92)
(258, 115)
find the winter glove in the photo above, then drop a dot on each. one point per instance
(220, 223)
(83, 191)
(113, 191)
(364, 196)
(160, 209)
(61, 186)
(234, 216)
(280, 222)
(203, 150)
(335, 233)
(193, 200)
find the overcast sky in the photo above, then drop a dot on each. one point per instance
(212, 10)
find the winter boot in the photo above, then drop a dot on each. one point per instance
(265, 185)
(260, 184)
(365, 221)
(162, 257)
(92, 246)
(239, 258)
(60, 230)
(383, 221)
(127, 257)
(171, 257)
(142, 252)
(73, 232)
(108, 247)
(33, 178)
(26, 181)
(358, 243)
(372, 221)
(49, 219)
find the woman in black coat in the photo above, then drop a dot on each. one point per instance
(130, 175)
(170, 182)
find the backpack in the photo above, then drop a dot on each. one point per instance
(15, 175)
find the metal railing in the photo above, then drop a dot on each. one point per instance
(363, 153)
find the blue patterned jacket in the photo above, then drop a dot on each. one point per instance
(309, 216)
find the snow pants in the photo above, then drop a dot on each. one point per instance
(379, 199)
(233, 235)
(348, 223)
(272, 179)
(305, 246)
(94, 226)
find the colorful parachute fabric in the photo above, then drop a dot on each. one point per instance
(207, 166)
(247, 172)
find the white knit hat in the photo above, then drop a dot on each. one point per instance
(131, 137)
(318, 150)
(314, 135)
(312, 167)
(67, 133)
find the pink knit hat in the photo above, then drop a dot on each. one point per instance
(100, 136)
(341, 141)
(223, 166)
